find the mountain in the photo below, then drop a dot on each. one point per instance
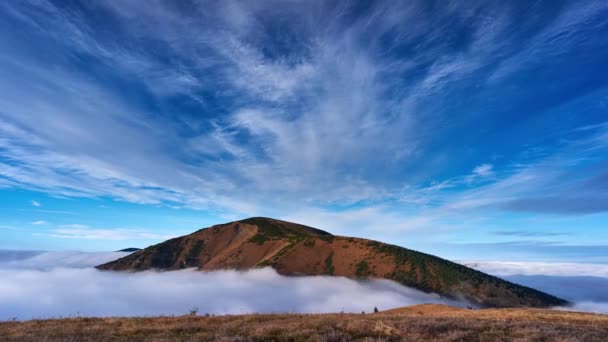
(293, 249)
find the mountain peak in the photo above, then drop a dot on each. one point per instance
(294, 249)
(278, 228)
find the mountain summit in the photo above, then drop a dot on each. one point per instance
(293, 249)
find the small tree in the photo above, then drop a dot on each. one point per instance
(375, 309)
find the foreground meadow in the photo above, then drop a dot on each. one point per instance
(421, 322)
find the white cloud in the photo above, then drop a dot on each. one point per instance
(569, 30)
(39, 223)
(483, 170)
(479, 173)
(507, 268)
(333, 122)
(581, 283)
(545, 175)
(42, 260)
(79, 231)
(36, 203)
(376, 222)
(274, 81)
(175, 293)
(50, 277)
(588, 306)
(339, 102)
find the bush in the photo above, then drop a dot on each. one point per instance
(329, 267)
(362, 269)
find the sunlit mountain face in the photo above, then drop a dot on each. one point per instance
(472, 131)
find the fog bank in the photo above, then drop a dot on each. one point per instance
(43, 260)
(509, 268)
(37, 284)
(26, 294)
(585, 285)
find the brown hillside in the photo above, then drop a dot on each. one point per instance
(294, 249)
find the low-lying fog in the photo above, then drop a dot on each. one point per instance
(585, 285)
(60, 284)
(31, 287)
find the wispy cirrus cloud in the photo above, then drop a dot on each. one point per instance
(395, 114)
(84, 232)
(523, 233)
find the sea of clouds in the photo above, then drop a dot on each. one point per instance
(583, 284)
(36, 284)
(60, 284)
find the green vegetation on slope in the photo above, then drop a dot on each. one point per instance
(329, 265)
(269, 229)
(362, 269)
(194, 253)
(279, 229)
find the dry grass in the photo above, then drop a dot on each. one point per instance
(422, 322)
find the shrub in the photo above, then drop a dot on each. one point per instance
(362, 269)
(259, 239)
(329, 267)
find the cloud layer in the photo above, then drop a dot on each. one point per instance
(583, 284)
(60, 284)
(41, 260)
(509, 268)
(27, 294)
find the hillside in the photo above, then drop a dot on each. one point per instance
(416, 323)
(294, 249)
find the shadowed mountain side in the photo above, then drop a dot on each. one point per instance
(294, 249)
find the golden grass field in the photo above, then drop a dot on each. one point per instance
(415, 323)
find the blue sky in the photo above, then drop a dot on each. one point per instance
(471, 130)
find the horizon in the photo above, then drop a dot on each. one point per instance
(471, 132)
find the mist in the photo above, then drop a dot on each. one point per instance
(26, 294)
(32, 288)
(584, 285)
(38, 284)
(43, 260)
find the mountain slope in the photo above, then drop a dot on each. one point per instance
(294, 249)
